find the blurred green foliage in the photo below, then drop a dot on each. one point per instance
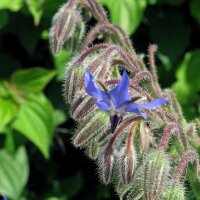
(128, 13)
(14, 170)
(187, 86)
(33, 115)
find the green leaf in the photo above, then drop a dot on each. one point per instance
(59, 117)
(13, 5)
(195, 9)
(187, 85)
(36, 122)
(10, 140)
(169, 30)
(14, 171)
(32, 80)
(35, 8)
(4, 18)
(127, 13)
(8, 111)
(60, 64)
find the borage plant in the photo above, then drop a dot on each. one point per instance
(133, 129)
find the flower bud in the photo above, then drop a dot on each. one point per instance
(63, 26)
(156, 171)
(127, 162)
(173, 192)
(106, 165)
(93, 149)
(133, 190)
(72, 79)
(97, 125)
(84, 108)
(74, 42)
(189, 157)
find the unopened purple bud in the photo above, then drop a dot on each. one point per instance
(127, 164)
(106, 163)
(64, 23)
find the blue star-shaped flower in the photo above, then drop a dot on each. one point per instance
(117, 101)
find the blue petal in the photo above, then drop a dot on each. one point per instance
(154, 104)
(103, 105)
(90, 86)
(102, 97)
(4, 197)
(120, 95)
(135, 108)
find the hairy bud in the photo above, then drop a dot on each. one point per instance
(189, 157)
(75, 40)
(90, 128)
(93, 149)
(127, 164)
(72, 79)
(127, 156)
(170, 129)
(85, 107)
(63, 27)
(173, 192)
(106, 164)
(156, 171)
(134, 190)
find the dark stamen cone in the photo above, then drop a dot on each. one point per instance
(115, 120)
